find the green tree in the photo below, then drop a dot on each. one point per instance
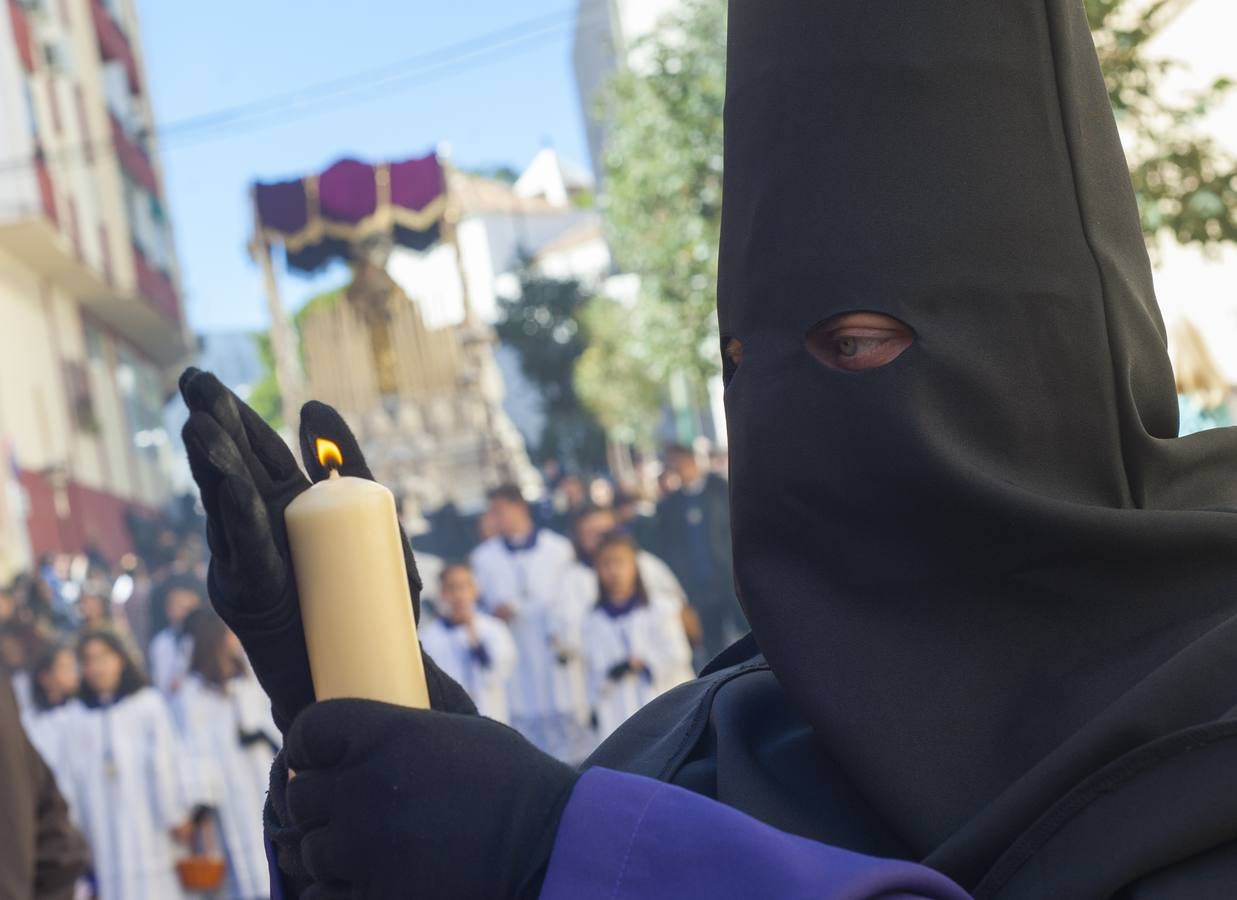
(1185, 183)
(543, 325)
(264, 397)
(663, 196)
(615, 376)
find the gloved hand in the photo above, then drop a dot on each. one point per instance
(397, 802)
(247, 477)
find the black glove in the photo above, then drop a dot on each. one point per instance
(399, 802)
(247, 477)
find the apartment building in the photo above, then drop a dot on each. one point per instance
(92, 329)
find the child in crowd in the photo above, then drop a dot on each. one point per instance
(633, 642)
(472, 647)
(54, 683)
(121, 779)
(171, 648)
(230, 742)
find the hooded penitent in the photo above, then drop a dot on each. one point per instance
(988, 571)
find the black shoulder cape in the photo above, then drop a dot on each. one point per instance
(1159, 823)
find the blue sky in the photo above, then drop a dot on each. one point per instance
(202, 57)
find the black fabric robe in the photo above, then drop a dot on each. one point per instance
(992, 593)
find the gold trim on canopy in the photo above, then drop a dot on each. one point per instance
(380, 221)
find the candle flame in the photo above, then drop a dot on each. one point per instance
(329, 455)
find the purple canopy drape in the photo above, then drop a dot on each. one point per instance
(319, 218)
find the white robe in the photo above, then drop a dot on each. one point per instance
(23, 690)
(47, 730)
(547, 696)
(486, 684)
(649, 633)
(124, 789)
(230, 777)
(659, 582)
(168, 659)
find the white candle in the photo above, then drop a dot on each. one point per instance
(350, 574)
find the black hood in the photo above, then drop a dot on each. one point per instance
(989, 568)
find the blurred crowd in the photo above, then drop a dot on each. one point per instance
(565, 616)
(140, 702)
(560, 616)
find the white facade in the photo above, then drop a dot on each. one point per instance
(496, 228)
(606, 32)
(92, 321)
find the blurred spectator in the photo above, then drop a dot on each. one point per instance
(171, 648)
(16, 648)
(636, 516)
(693, 526)
(230, 742)
(41, 853)
(39, 601)
(55, 681)
(632, 638)
(600, 493)
(8, 604)
(521, 574)
(1204, 396)
(451, 534)
(122, 778)
(472, 647)
(593, 526)
(94, 606)
(569, 499)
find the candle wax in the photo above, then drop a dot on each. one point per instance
(353, 585)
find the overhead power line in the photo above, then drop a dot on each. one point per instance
(426, 67)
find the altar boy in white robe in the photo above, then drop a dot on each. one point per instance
(122, 777)
(592, 527)
(55, 681)
(231, 741)
(521, 572)
(474, 648)
(634, 649)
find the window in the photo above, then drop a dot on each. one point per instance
(81, 403)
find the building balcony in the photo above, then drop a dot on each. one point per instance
(114, 43)
(146, 313)
(30, 232)
(155, 287)
(141, 305)
(133, 158)
(21, 34)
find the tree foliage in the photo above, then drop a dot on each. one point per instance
(615, 374)
(543, 326)
(663, 186)
(1186, 184)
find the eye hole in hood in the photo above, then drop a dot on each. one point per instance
(732, 357)
(858, 341)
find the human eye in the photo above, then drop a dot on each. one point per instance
(855, 342)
